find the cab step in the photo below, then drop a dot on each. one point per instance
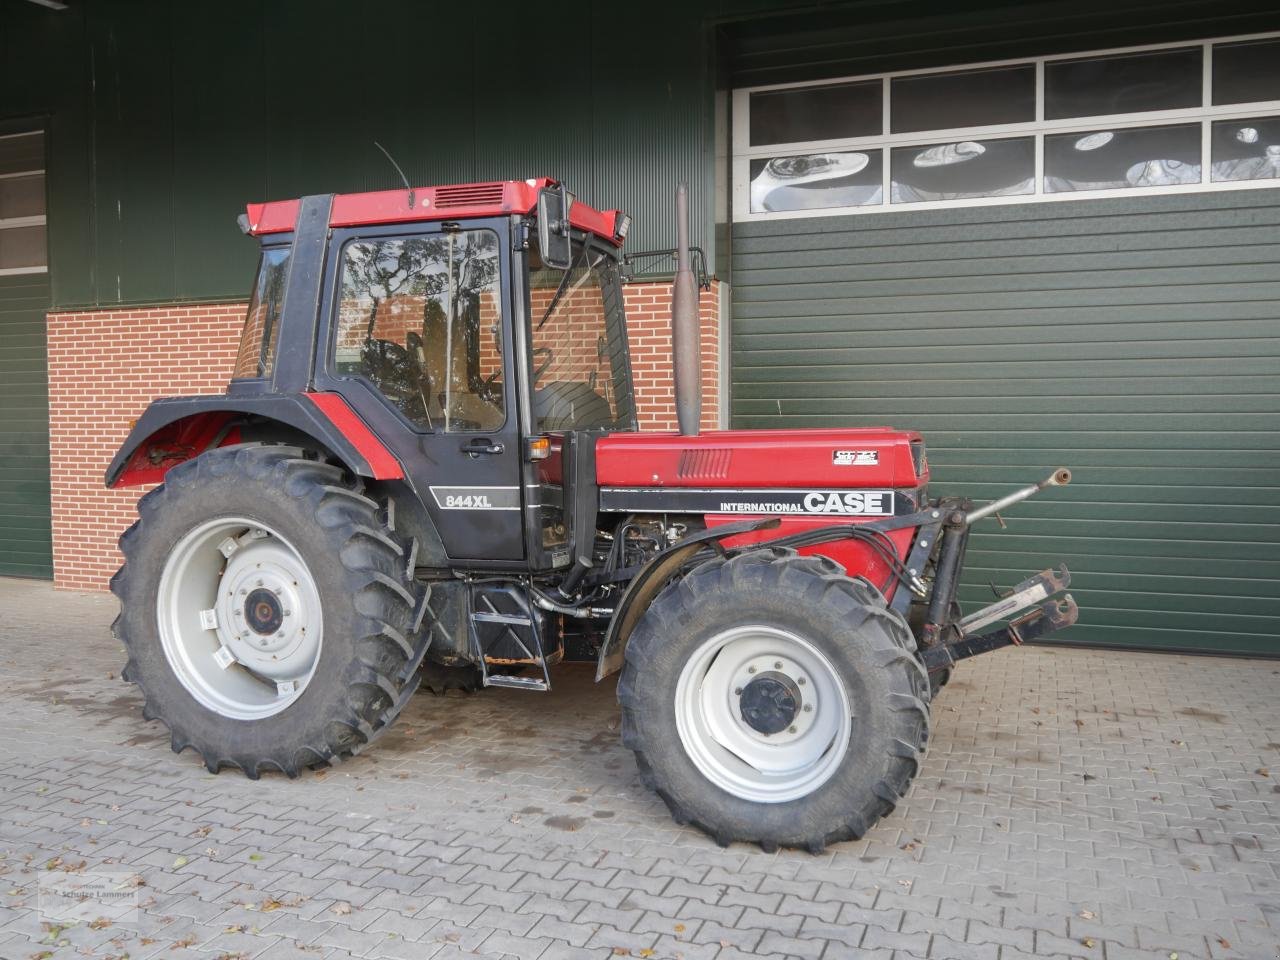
(504, 630)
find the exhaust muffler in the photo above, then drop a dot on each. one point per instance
(686, 337)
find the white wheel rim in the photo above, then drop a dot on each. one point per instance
(239, 618)
(729, 751)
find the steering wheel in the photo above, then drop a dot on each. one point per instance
(543, 358)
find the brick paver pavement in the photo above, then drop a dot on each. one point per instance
(1074, 803)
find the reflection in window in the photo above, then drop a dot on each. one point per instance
(963, 170)
(816, 180)
(816, 113)
(1124, 83)
(1246, 149)
(966, 98)
(419, 317)
(1246, 72)
(257, 354)
(1113, 159)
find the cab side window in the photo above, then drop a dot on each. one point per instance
(420, 319)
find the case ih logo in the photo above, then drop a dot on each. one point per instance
(860, 503)
(855, 458)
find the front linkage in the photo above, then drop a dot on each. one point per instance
(942, 537)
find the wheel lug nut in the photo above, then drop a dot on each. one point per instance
(777, 665)
(808, 708)
(737, 692)
(791, 730)
(801, 681)
(751, 669)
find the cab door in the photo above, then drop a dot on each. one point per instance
(415, 336)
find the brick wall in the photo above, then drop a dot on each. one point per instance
(105, 366)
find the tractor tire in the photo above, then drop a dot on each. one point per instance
(771, 699)
(268, 610)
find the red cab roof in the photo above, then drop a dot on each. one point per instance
(455, 202)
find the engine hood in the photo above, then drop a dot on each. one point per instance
(744, 459)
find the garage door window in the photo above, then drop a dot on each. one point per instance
(1170, 118)
(22, 204)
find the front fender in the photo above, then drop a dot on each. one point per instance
(649, 582)
(175, 429)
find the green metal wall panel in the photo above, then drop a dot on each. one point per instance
(165, 118)
(25, 539)
(1135, 340)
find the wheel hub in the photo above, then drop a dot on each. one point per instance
(266, 617)
(763, 713)
(770, 703)
(263, 612)
(240, 618)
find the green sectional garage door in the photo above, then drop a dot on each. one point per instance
(24, 428)
(1135, 340)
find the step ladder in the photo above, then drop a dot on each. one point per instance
(504, 627)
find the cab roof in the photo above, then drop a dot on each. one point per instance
(453, 202)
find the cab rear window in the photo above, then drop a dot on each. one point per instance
(257, 355)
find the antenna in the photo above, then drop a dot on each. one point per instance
(403, 178)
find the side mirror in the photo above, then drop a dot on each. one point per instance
(553, 226)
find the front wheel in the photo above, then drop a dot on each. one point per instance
(770, 698)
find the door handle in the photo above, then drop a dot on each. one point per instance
(482, 446)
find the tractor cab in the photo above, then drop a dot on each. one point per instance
(470, 328)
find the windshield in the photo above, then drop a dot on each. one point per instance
(581, 373)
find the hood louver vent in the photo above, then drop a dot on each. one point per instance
(708, 464)
(470, 195)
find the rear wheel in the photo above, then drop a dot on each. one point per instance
(771, 698)
(268, 610)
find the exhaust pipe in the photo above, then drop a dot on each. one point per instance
(686, 337)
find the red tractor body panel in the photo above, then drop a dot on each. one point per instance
(466, 201)
(738, 459)
(821, 461)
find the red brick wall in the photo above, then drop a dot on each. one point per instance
(105, 366)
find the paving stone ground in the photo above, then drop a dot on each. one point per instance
(1074, 803)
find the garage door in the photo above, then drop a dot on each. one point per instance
(24, 428)
(24, 397)
(1135, 340)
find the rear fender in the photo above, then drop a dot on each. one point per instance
(176, 429)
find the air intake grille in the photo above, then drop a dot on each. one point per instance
(470, 195)
(706, 464)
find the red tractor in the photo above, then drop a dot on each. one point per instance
(427, 470)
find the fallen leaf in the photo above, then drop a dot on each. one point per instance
(341, 908)
(1224, 943)
(234, 928)
(185, 942)
(270, 904)
(1089, 942)
(1087, 915)
(99, 924)
(646, 952)
(453, 936)
(1264, 772)
(679, 928)
(181, 862)
(621, 952)
(255, 856)
(904, 883)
